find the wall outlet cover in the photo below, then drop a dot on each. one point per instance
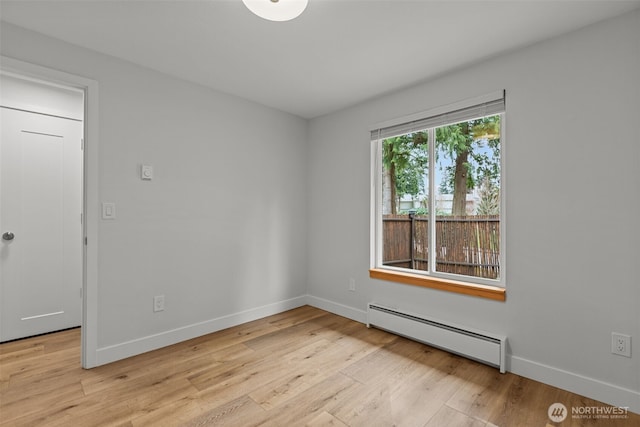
(621, 344)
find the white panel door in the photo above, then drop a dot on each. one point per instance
(40, 223)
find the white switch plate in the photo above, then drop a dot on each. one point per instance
(108, 210)
(146, 172)
(158, 303)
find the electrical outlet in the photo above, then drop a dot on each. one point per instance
(621, 344)
(158, 303)
(352, 284)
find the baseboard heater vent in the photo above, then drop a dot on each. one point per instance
(477, 345)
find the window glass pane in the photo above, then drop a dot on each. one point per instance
(467, 200)
(405, 166)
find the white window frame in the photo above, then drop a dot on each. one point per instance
(376, 232)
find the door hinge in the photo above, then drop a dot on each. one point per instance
(85, 241)
(81, 218)
(82, 144)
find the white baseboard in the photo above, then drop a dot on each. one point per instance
(152, 342)
(339, 309)
(585, 386)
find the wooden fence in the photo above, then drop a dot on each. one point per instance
(468, 245)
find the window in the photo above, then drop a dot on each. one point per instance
(437, 198)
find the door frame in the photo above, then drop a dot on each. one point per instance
(90, 204)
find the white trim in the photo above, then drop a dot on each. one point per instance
(595, 389)
(504, 141)
(431, 235)
(152, 342)
(42, 315)
(90, 278)
(375, 182)
(92, 215)
(337, 308)
(442, 109)
(31, 77)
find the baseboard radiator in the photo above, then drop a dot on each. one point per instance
(477, 345)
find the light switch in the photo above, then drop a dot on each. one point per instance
(146, 172)
(108, 210)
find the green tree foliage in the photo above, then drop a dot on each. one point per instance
(473, 148)
(462, 143)
(405, 161)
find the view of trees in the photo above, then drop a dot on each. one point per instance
(405, 159)
(467, 154)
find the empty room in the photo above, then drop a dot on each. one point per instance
(319, 213)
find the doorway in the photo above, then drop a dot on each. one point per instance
(86, 114)
(40, 207)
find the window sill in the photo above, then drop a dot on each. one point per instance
(481, 291)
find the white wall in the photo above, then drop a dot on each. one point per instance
(572, 272)
(221, 229)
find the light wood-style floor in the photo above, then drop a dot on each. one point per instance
(304, 367)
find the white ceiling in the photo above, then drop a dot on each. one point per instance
(336, 54)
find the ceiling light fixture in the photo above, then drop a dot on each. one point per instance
(276, 10)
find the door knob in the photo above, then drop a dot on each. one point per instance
(8, 236)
